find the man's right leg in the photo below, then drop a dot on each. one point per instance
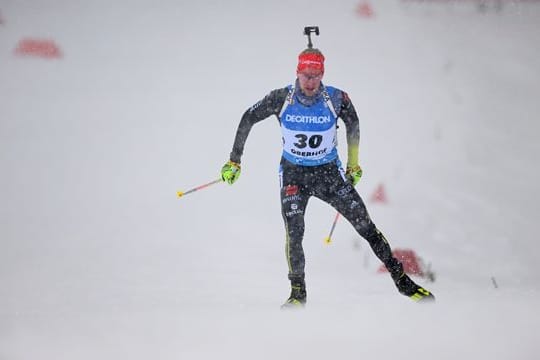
(293, 204)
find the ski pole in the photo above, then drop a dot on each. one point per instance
(200, 187)
(328, 239)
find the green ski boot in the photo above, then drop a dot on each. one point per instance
(298, 297)
(409, 288)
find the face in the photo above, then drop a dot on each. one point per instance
(310, 80)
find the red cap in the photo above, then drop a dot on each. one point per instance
(312, 59)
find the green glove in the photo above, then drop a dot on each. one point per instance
(230, 172)
(353, 174)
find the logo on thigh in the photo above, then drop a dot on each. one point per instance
(291, 201)
(294, 210)
(344, 190)
(290, 194)
(291, 190)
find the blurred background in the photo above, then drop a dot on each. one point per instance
(108, 108)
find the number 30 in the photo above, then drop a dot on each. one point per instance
(314, 141)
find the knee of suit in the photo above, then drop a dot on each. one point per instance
(366, 229)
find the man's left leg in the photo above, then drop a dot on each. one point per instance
(345, 199)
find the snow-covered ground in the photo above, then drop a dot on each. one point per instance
(100, 259)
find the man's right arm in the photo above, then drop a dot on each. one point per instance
(270, 105)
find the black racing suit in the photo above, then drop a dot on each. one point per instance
(326, 182)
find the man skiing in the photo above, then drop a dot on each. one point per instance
(307, 112)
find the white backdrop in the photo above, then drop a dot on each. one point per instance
(100, 259)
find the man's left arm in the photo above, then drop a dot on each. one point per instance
(347, 113)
